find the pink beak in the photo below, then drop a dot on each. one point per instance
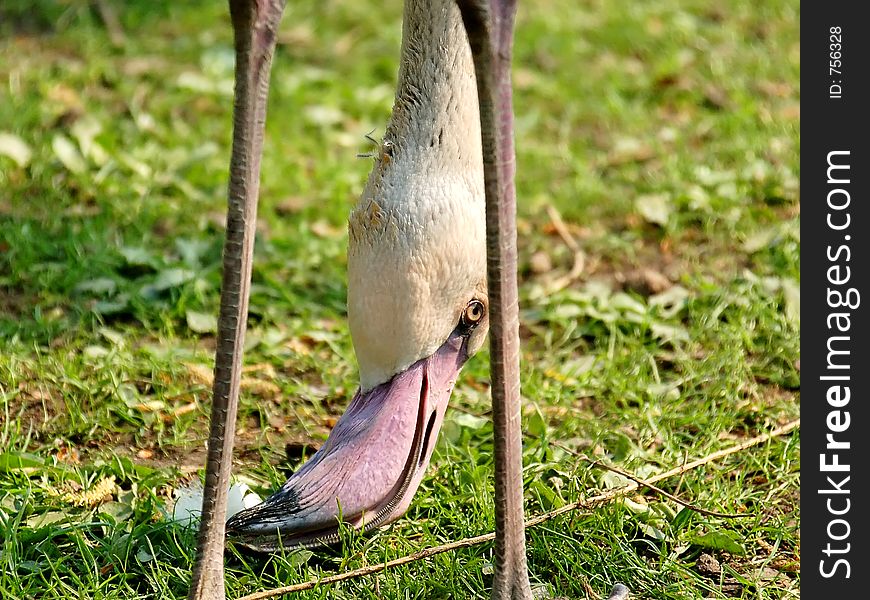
(370, 466)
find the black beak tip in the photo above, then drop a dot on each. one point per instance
(260, 527)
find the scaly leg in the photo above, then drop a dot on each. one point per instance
(255, 24)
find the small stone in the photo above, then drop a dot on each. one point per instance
(619, 592)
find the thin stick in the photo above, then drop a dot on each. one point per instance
(564, 281)
(611, 494)
(647, 484)
(643, 482)
(111, 22)
(562, 229)
(589, 503)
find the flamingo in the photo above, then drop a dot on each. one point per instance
(416, 300)
(431, 266)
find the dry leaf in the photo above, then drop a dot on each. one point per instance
(200, 374)
(12, 146)
(655, 208)
(68, 154)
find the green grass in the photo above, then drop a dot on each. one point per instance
(665, 134)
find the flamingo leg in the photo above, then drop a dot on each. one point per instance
(490, 33)
(489, 25)
(255, 24)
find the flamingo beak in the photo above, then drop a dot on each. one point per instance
(370, 466)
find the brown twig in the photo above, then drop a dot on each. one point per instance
(616, 492)
(589, 503)
(579, 256)
(562, 229)
(626, 474)
(111, 22)
(597, 463)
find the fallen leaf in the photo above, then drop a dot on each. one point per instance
(647, 282)
(94, 351)
(184, 409)
(84, 131)
(196, 82)
(68, 154)
(323, 115)
(12, 146)
(791, 292)
(45, 519)
(655, 208)
(716, 98)
(171, 278)
(22, 462)
(760, 239)
(143, 556)
(258, 387)
(150, 406)
(137, 256)
(290, 205)
(323, 229)
(629, 150)
(301, 346)
(470, 421)
(200, 374)
(540, 263)
(201, 322)
(719, 540)
(99, 286)
(671, 301)
(66, 96)
(669, 333)
(68, 454)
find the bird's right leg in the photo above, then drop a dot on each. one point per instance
(489, 26)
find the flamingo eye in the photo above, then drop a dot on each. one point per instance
(473, 313)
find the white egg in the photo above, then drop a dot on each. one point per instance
(188, 502)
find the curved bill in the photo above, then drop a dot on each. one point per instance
(370, 466)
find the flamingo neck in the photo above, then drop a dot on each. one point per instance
(436, 112)
(416, 249)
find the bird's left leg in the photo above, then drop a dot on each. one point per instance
(255, 23)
